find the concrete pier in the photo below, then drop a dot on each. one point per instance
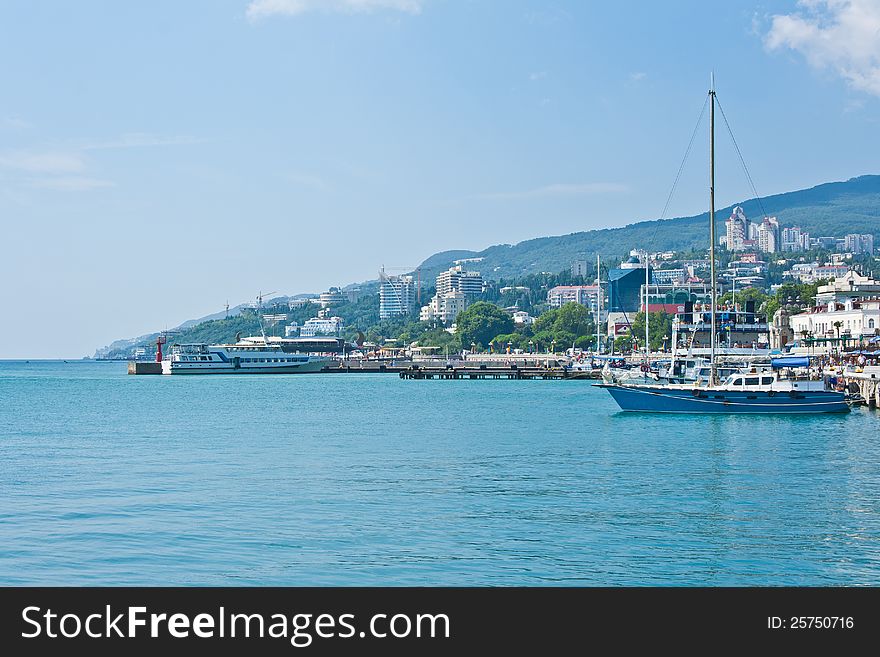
(144, 367)
(866, 383)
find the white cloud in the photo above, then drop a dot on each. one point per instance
(258, 9)
(558, 189)
(637, 76)
(141, 139)
(70, 183)
(307, 180)
(838, 35)
(49, 162)
(14, 123)
(538, 75)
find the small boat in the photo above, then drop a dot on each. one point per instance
(763, 392)
(753, 393)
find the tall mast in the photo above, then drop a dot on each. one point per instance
(712, 376)
(647, 348)
(598, 302)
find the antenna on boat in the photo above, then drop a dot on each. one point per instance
(712, 371)
(260, 316)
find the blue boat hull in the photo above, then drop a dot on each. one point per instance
(659, 399)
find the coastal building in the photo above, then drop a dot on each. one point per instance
(585, 295)
(321, 326)
(625, 284)
(469, 283)
(332, 297)
(444, 307)
(397, 295)
(851, 285)
(674, 299)
(854, 317)
(513, 288)
(456, 288)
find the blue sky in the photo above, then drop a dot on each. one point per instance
(157, 159)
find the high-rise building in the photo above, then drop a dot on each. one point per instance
(738, 230)
(768, 235)
(792, 239)
(456, 288)
(396, 295)
(456, 279)
(859, 244)
(579, 268)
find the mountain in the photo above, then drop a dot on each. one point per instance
(836, 208)
(830, 209)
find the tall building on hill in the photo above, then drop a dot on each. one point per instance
(859, 244)
(396, 295)
(768, 235)
(456, 288)
(456, 279)
(738, 230)
(579, 268)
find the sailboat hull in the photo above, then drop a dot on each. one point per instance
(660, 399)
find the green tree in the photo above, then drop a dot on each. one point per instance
(480, 323)
(659, 329)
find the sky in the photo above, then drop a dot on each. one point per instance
(160, 159)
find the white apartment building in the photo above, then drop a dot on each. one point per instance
(586, 295)
(853, 317)
(469, 283)
(444, 307)
(321, 326)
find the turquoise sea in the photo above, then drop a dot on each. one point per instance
(110, 479)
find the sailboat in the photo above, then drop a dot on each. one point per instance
(749, 392)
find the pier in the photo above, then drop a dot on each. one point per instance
(865, 383)
(512, 372)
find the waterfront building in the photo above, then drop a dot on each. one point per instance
(585, 295)
(396, 295)
(625, 284)
(469, 283)
(321, 326)
(852, 285)
(444, 307)
(851, 318)
(673, 298)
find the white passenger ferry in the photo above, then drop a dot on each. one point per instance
(255, 355)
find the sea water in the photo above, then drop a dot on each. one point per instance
(362, 479)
